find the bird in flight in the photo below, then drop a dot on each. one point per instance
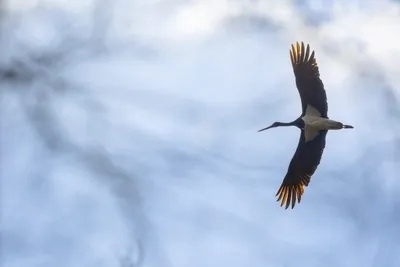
(313, 123)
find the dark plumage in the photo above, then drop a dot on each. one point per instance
(308, 154)
(313, 123)
(308, 82)
(302, 166)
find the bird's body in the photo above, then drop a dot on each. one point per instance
(313, 122)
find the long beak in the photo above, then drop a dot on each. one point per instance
(263, 129)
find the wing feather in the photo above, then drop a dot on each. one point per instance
(302, 166)
(308, 81)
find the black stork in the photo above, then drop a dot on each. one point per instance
(313, 123)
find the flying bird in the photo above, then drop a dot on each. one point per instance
(313, 123)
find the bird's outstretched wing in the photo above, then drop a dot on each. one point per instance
(308, 82)
(302, 166)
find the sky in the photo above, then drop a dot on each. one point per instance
(129, 133)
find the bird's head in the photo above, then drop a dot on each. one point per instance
(275, 124)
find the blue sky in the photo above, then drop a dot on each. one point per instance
(129, 134)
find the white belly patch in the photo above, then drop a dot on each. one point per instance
(313, 123)
(310, 132)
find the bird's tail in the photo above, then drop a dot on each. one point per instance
(345, 126)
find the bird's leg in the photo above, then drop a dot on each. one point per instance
(345, 126)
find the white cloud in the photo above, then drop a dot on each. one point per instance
(138, 121)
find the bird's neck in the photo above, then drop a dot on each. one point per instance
(293, 123)
(298, 123)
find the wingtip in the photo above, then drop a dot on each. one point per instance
(299, 52)
(298, 43)
(289, 194)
